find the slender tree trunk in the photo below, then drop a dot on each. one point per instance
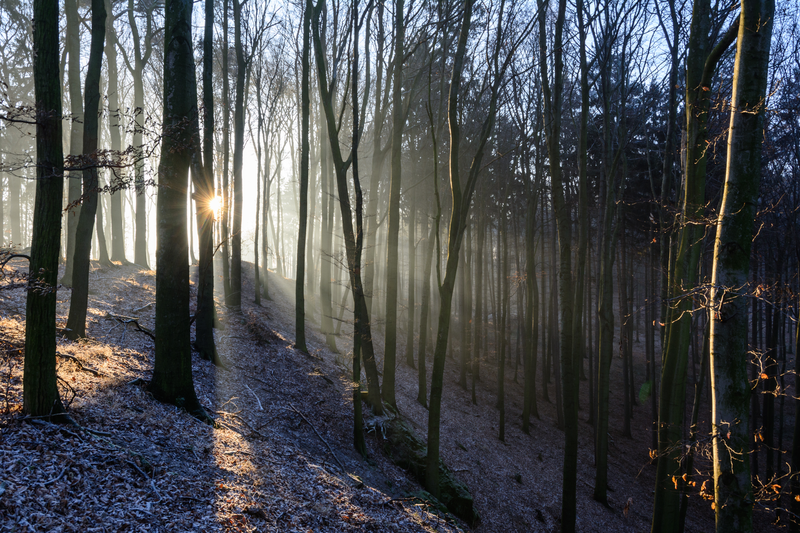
(73, 45)
(204, 185)
(102, 246)
(422, 394)
(76, 323)
(503, 297)
(226, 135)
(461, 199)
(392, 260)
(305, 111)
(353, 237)
(733, 497)
(235, 297)
(114, 129)
(412, 283)
(140, 59)
(479, 326)
(794, 522)
(326, 244)
(529, 405)
(466, 311)
(701, 64)
(570, 384)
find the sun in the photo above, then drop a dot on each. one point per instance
(216, 206)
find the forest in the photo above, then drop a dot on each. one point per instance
(452, 265)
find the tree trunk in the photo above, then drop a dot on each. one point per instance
(204, 185)
(114, 129)
(305, 111)
(73, 45)
(226, 151)
(172, 373)
(733, 497)
(40, 393)
(461, 199)
(478, 327)
(76, 323)
(353, 240)
(412, 282)
(422, 393)
(392, 258)
(235, 297)
(701, 64)
(794, 522)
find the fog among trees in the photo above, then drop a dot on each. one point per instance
(587, 210)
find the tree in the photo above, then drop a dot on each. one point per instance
(172, 374)
(461, 196)
(204, 185)
(733, 500)
(701, 62)
(392, 260)
(114, 129)
(234, 298)
(140, 59)
(353, 237)
(305, 111)
(73, 46)
(552, 112)
(40, 392)
(76, 323)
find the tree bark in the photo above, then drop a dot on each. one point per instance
(305, 111)
(73, 45)
(569, 389)
(118, 181)
(733, 497)
(76, 323)
(234, 298)
(172, 373)
(40, 393)
(204, 187)
(353, 240)
(701, 63)
(392, 260)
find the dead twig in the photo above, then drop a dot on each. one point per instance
(51, 481)
(319, 437)
(260, 407)
(135, 467)
(132, 320)
(80, 364)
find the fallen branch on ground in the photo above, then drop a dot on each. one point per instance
(320, 438)
(80, 364)
(132, 320)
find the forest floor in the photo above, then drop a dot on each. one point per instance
(281, 458)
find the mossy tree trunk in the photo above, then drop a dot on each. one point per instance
(700, 66)
(733, 495)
